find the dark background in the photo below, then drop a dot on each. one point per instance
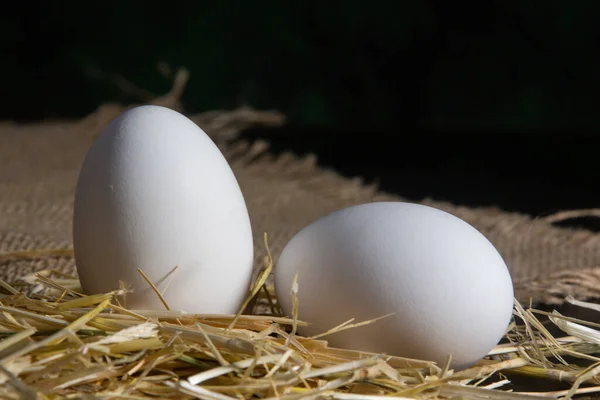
(478, 103)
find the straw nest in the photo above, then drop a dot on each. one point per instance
(59, 343)
(56, 342)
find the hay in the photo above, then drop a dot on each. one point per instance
(58, 342)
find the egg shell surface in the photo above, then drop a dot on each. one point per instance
(448, 287)
(155, 193)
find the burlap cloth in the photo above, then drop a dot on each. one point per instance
(39, 165)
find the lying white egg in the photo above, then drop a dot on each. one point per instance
(155, 193)
(447, 286)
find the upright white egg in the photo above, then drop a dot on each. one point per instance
(448, 287)
(155, 193)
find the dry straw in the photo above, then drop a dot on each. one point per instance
(59, 343)
(56, 342)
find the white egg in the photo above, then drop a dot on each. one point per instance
(155, 193)
(446, 284)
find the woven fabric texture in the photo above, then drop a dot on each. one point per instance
(39, 165)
